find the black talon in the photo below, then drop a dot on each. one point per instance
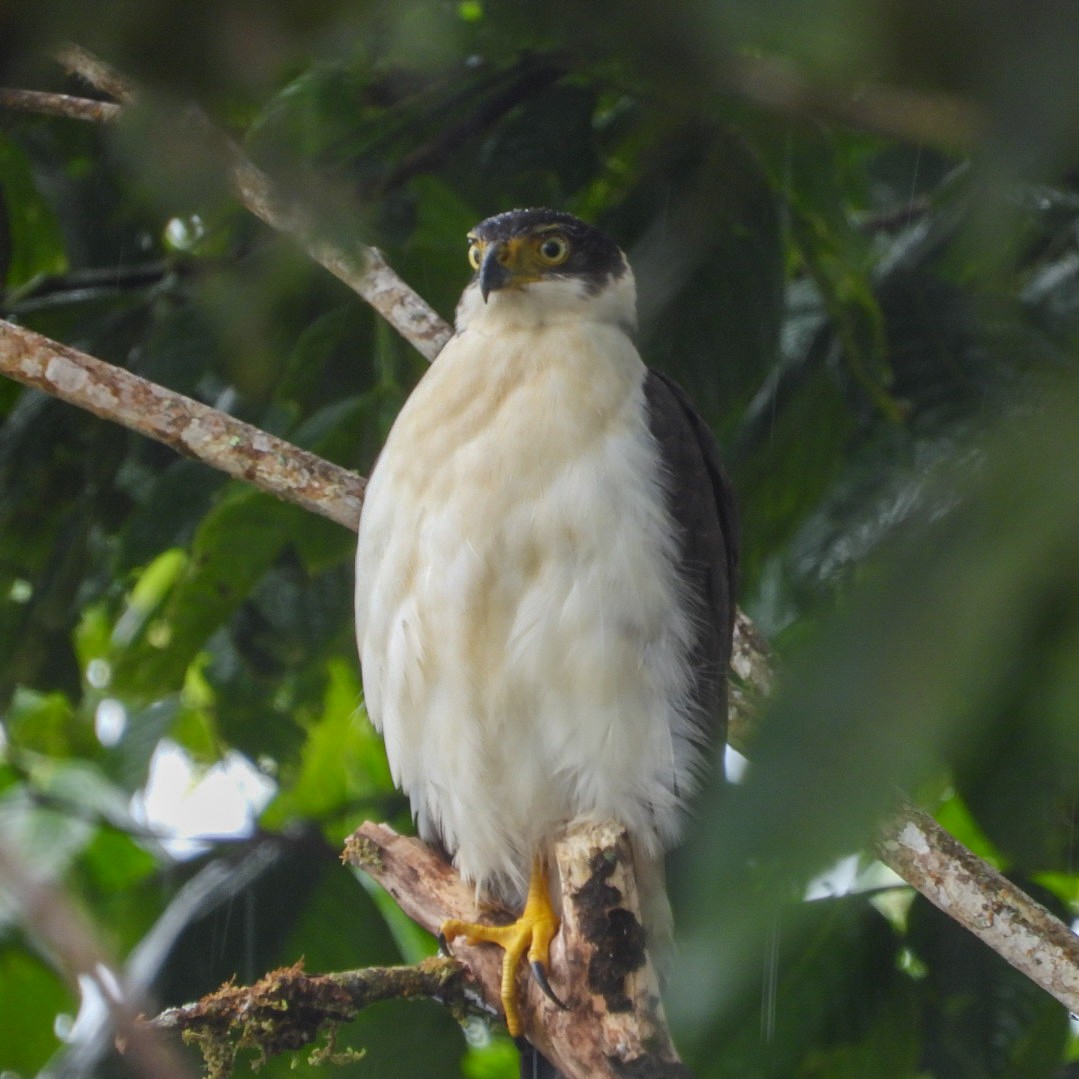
(539, 972)
(444, 945)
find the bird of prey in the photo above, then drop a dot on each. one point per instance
(544, 580)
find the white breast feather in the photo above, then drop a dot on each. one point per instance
(523, 638)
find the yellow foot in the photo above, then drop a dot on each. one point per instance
(531, 933)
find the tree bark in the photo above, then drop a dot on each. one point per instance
(971, 891)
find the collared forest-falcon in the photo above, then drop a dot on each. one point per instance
(545, 577)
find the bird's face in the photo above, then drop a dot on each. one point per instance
(542, 261)
(519, 259)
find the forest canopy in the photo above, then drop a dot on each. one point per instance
(855, 231)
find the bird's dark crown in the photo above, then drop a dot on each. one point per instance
(592, 255)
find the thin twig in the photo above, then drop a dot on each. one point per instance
(92, 69)
(945, 120)
(45, 104)
(425, 158)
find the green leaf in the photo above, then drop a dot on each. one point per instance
(36, 242)
(46, 723)
(342, 762)
(115, 862)
(31, 997)
(235, 544)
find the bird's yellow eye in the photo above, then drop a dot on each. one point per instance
(475, 255)
(554, 250)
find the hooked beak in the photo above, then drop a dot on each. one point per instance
(493, 272)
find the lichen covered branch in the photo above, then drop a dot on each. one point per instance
(972, 892)
(189, 427)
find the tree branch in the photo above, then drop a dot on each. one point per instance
(74, 108)
(614, 1024)
(288, 1009)
(189, 427)
(362, 267)
(971, 891)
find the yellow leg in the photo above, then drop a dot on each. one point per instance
(532, 932)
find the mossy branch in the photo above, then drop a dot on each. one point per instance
(288, 1009)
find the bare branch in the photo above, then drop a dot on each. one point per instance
(75, 108)
(752, 673)
(93, 70)
(614, 1025)
(972, 892)
(189, 427)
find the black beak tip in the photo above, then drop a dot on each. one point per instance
(493, 274)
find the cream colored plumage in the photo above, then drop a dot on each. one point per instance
(528, 635)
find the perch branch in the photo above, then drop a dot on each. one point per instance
(614, 1025)
(972, 892)
(362, 268)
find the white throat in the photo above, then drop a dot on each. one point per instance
(544, 303)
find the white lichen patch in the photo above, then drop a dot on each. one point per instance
(65, 376)
(73, 382)
(197, 436)
(913, 838)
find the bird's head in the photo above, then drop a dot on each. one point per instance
(543, 261)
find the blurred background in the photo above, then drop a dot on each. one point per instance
(855, 227)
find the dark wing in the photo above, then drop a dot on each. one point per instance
(701, 502)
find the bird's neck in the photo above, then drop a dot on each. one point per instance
(549, 304)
